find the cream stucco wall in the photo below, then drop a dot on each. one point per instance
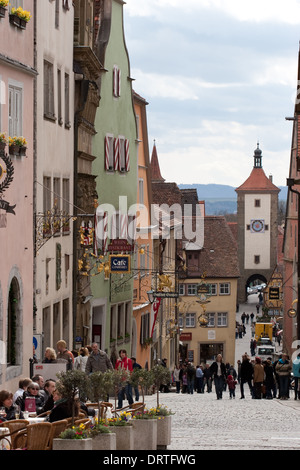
(257, 244)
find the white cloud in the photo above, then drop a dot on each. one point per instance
(253, 11)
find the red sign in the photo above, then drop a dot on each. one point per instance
(120, 245)
(186, 337)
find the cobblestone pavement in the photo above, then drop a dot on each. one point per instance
(201, 422)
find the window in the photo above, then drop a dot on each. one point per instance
(257, 203)
(221, 319)
(213, 289)
(67, 101)
(224, 288)
(109, 153)
(116, 81)
(181, 289)
(57, 13)
(192, 289)
(66, 205)
(59, 104)
(141, 191)
(47, 205)
(121, 154)
(15, 4)
(145, 328)
(48, 91)
(211, 320)
(15, 109)
(56, 205)
(190, 320)
(256, 259)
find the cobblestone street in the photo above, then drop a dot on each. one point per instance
(201, 422)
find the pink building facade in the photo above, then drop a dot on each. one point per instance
(17, 75)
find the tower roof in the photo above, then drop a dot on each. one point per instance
(258, 181)
(155, 169)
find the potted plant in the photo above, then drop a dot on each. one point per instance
(3, 141)
(161, 376)
(73, 386)
(99, 386)
(164, 425)
(141, 378)
(17, 146)
(3, 5)
(75, 438)
(102, 436)
(144, 424)
(122, 427)
(19, 17)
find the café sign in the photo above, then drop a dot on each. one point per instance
(119, 263)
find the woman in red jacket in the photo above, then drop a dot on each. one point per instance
(125, 363)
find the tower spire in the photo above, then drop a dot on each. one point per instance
(257, 157)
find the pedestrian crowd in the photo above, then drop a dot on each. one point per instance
(265, 378)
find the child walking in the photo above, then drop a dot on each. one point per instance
(231, 386)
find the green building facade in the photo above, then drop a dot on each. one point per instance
(115, 167)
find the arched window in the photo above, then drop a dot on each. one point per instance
(13, 324)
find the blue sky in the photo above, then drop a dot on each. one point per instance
(219, 75)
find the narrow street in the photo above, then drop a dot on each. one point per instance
(201, 422)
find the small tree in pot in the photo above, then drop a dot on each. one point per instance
(161, 376)
(142, 378)
(72, 385)
(100, 384)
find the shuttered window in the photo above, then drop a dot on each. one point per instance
(48, 91)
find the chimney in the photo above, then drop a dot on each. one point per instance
(271, 178)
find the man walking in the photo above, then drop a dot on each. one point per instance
(97, 361)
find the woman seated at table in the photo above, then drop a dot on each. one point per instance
(33, 391)
(62, 408)
(10, 410)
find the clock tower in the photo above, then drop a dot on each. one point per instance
(257, 212)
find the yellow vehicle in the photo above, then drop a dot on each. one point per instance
(263, 330)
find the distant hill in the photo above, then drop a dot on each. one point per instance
(221, 198)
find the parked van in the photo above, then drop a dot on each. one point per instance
(265, 350)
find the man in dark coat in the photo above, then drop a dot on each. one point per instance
(246, 375)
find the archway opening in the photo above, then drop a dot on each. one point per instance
(255, 284)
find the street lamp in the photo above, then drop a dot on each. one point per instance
(290, 183)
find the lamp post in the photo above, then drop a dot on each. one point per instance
(290, 183)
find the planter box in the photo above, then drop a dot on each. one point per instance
(145, 434)
(72, 444)
(124, 437)
(164, 429)
(105, 441)
(2, 12)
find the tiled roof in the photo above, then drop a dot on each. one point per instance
(218, 257)
(258, 181)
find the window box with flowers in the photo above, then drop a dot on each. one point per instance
(3, 141)
(3, 5)
(17, 146)
(19, 17)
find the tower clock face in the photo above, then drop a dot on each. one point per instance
(257, 225)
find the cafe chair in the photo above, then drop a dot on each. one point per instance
(14, 426)
(57, 427)
(35, 437)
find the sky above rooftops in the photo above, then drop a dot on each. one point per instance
(219, 76)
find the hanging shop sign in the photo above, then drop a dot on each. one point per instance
(119, 263)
